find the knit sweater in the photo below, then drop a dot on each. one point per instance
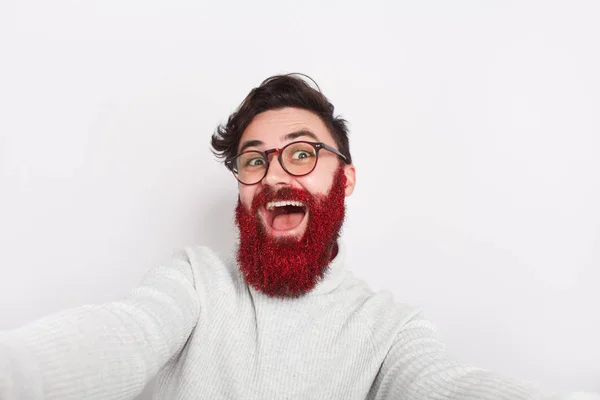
(196, 325)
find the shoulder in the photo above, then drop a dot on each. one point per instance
(378, 304)
(211, 269)
(383, 316)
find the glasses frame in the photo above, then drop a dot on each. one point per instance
(316, 145)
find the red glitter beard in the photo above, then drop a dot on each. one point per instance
(290, 267)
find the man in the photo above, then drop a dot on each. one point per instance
(283, 320)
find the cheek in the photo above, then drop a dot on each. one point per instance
(246, 195)
(318, 182)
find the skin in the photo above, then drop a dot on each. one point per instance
(271, 129)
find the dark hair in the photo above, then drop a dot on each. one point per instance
(274, 93)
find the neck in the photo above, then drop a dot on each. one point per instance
(334, 251)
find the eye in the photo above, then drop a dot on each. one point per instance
(301, 154)
(255, 162)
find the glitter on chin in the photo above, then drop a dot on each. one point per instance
(290, 267)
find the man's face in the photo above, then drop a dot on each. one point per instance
(286, 248)
(275, 129)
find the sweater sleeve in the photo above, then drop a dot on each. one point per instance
(417, 367)
(107, 351)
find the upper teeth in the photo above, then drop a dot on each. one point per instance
(272, 204)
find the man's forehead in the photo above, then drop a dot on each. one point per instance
(302, 134)
(283, 136)
(278, 126)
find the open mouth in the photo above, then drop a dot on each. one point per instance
(286, 215)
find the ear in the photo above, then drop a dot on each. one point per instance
(350, 173)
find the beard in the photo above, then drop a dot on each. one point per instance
(290, 266)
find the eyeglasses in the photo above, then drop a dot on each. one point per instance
(296, 158)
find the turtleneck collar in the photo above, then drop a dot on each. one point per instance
(334, 274)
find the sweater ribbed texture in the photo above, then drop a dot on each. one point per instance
(205, 334)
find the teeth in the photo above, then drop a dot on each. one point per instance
(272, 204)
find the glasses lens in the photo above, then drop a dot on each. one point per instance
(249, 167)
(299, 158)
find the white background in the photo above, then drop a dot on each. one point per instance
(474, 131)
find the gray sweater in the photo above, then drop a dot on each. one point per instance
(205, 334)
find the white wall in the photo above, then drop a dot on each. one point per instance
(474, 129)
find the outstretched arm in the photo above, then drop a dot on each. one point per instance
(418, 368)
(105, 351)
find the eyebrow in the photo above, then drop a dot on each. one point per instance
(289, 136)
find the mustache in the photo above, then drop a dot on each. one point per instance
(269, 194)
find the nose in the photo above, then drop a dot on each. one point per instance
(276, 175)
